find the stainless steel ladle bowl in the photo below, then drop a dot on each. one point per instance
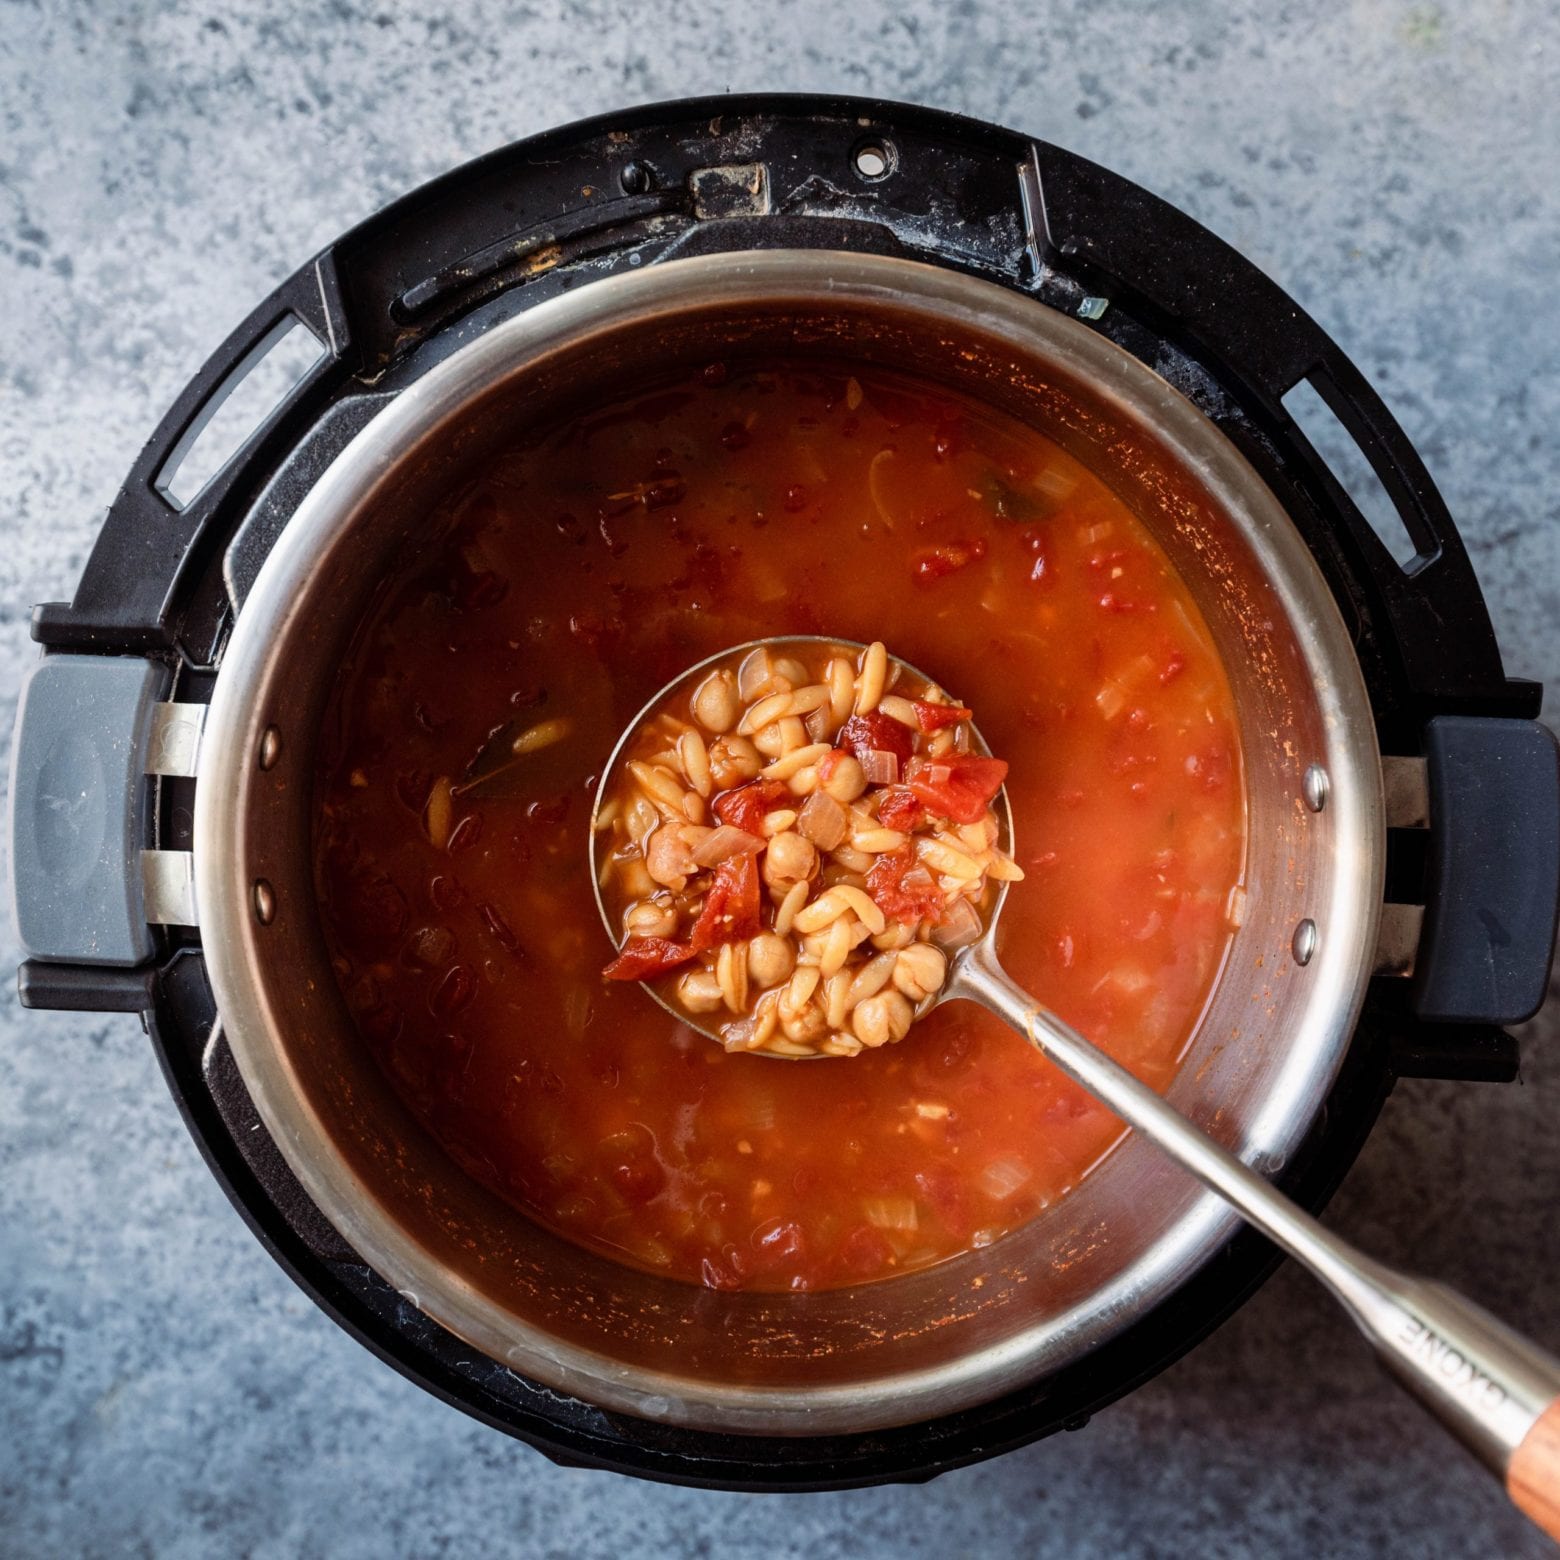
(685, 683)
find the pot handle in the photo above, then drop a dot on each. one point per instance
(1493, 885)
(80, 805)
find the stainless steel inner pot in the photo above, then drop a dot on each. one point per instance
(992, 1320)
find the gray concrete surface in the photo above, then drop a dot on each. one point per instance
(163, 1388)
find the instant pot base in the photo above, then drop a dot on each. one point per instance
(395, 297)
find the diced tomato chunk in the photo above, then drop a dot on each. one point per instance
(778, 1244)
(934, 563)
(862, 734)
(744, 806)
(643, 958)
(959, 786)
(933, 717)
(866, 1251)
(903, 889)
(899, 809)
(731, 906)
(828, 764)
(948, 1196)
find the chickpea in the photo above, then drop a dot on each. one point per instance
(770, 741)
(770, 960)
(919, 971)
(846, 781)
(881, 1019)
(650, 918)
(789, 859)
(699, 991)
(805, 781)
(715, 702)
(732, 761)
(804, 1026)
(669, 854)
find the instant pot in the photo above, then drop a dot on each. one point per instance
(1404, 857)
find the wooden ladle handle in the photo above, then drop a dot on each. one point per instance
(1533, 1476)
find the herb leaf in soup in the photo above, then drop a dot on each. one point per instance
(1007, 502)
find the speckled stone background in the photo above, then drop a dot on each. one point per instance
(163, 1388)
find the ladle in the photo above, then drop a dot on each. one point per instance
(1496, 1391)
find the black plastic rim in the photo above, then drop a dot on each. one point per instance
(548, 214)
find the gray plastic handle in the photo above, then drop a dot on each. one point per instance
(78, 799)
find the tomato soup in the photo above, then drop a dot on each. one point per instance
(589, 564)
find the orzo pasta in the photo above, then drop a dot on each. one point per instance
(850, 848)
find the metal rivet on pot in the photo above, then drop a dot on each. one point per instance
(1314, 788)
(1304, 942)
(265, 902)
(270, 747)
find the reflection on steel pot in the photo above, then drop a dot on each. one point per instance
(845, 1361)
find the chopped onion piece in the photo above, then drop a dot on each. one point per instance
(1055, 483)
(891, 1213)
(823, 821)
(1129, 979)
(1111, 700)
(738, 1033)
(959, 927)
(754, 674)
(725, 841)
(1003, 1177)
(879, 767)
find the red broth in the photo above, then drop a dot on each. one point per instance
(589, 564)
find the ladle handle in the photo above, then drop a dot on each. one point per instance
(1493, 1389)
